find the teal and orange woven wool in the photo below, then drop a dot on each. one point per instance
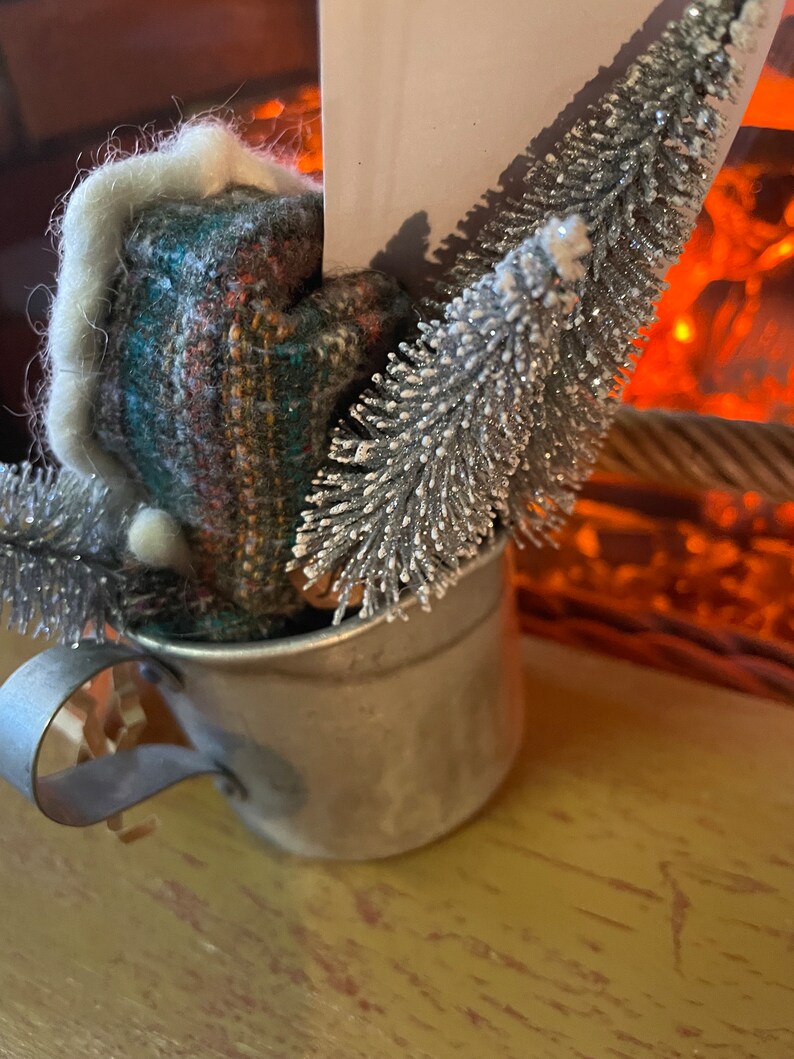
(225, 360)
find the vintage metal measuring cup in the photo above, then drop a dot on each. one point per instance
(353, 742)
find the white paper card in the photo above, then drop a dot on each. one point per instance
(426, 102)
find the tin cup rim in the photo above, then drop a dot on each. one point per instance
(280, 647)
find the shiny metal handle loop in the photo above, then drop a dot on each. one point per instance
(97, 789)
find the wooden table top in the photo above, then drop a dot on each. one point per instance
(627, 895)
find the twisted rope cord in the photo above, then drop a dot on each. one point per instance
(717, 656)
(699, 452)
(702, 452)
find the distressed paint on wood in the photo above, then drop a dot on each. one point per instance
(628, 895)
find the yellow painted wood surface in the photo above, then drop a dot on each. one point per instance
(628, 895)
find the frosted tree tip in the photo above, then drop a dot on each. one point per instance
(566, 240)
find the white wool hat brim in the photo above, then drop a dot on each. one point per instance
(200, 159)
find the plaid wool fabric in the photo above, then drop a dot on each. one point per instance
(225, 360)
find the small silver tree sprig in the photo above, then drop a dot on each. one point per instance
(636, 169)
(428, 453)
(62, 563)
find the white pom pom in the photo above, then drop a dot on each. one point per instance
(155, 539)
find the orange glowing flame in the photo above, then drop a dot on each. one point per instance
(712, 348)
(290, 128)
(683, 329)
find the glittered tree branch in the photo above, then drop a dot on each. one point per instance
(636, 167)
(427, 455)
(413, 484)
(61, 564)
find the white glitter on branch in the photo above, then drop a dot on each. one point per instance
(428, 453)
(499, 412)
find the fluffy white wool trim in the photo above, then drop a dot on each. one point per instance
(200, 159)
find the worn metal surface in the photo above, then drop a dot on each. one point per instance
(355, 742)
(368, 739)
(628, 894)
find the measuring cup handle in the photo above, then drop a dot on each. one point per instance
(104, 786)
